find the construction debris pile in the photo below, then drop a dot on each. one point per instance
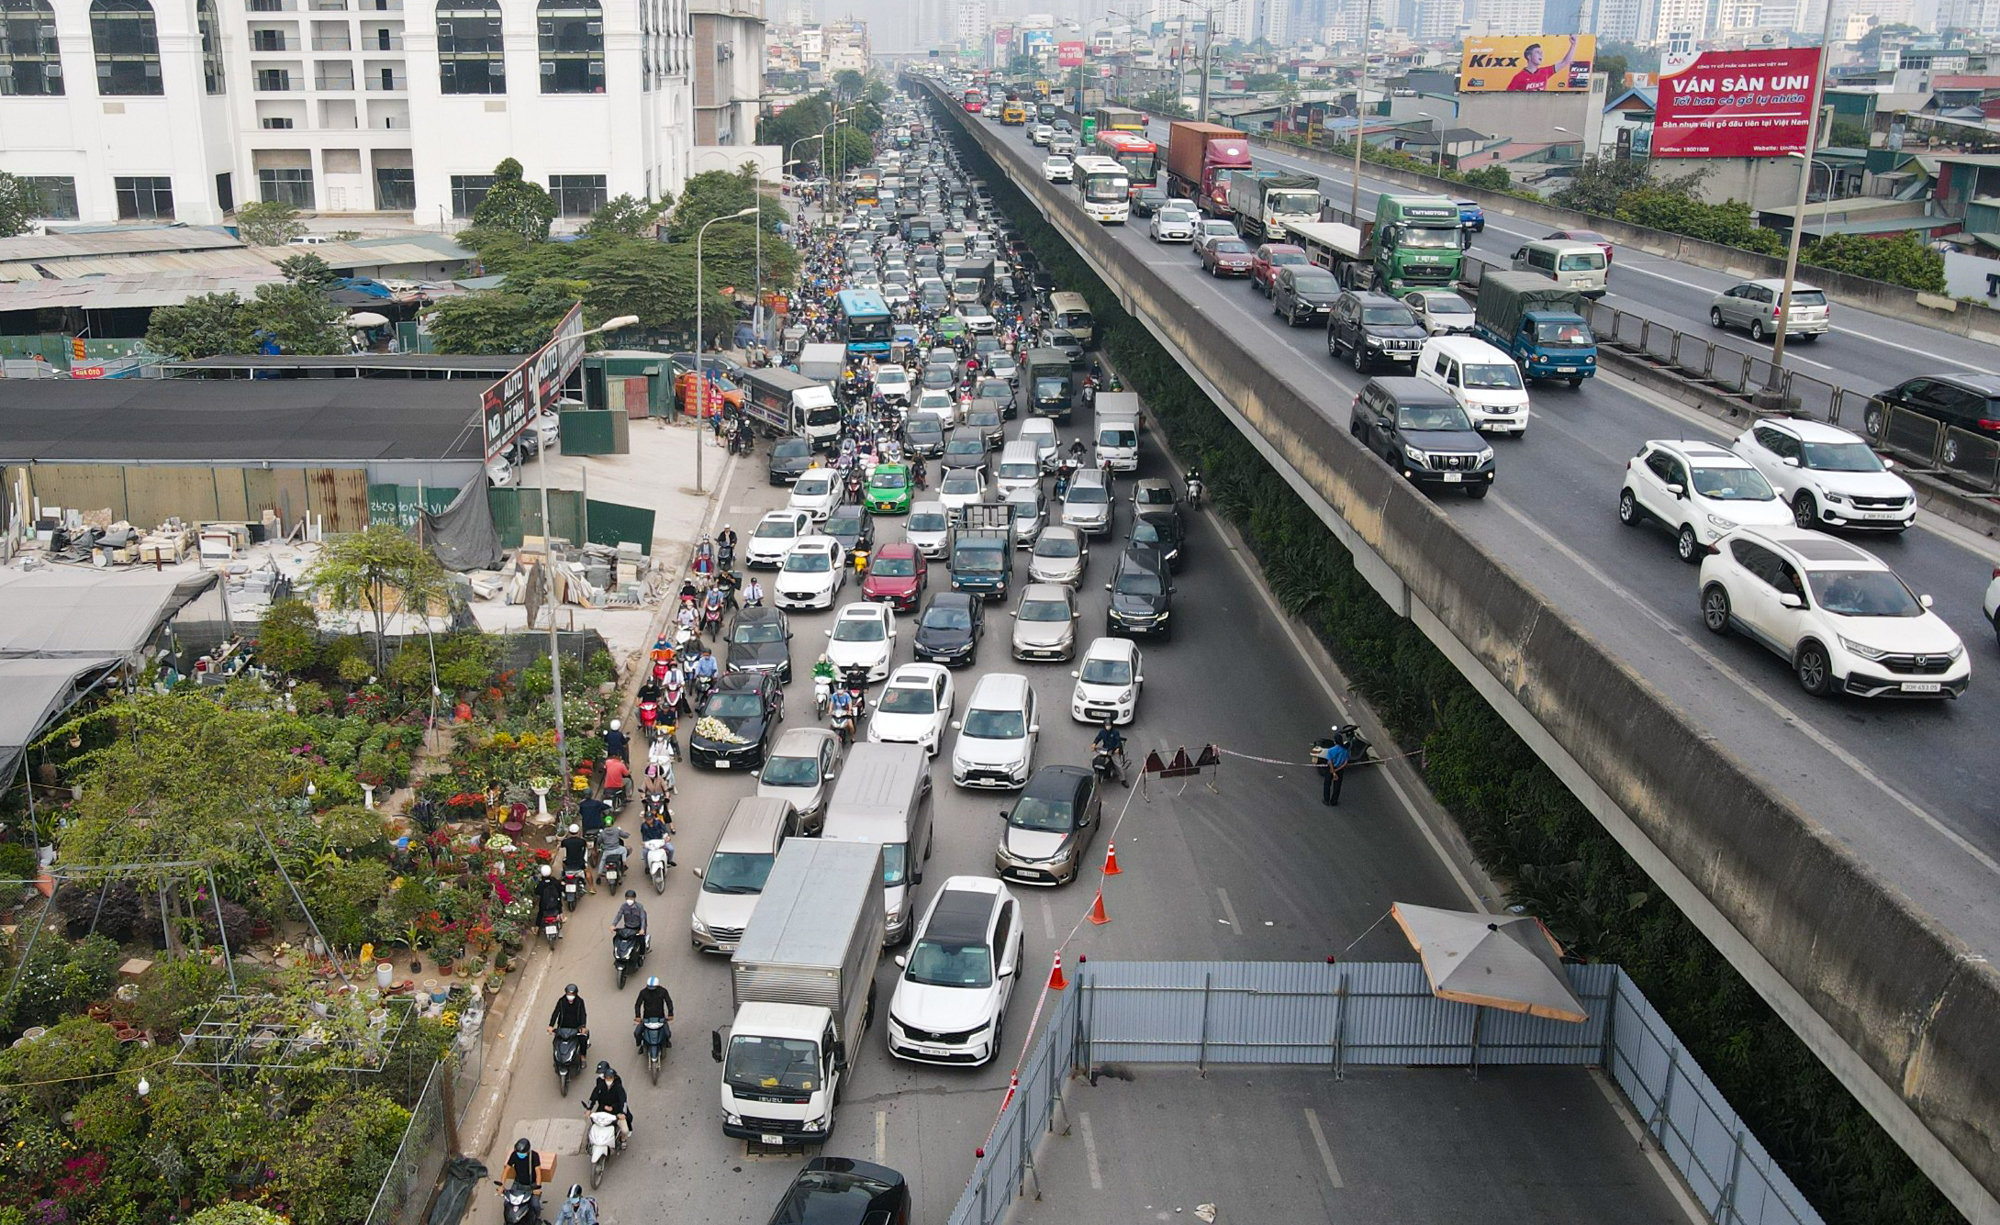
(594, 576)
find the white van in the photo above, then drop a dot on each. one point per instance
(884, 797)
(1118, 418)
(1485, 381)
(1573, 265)
(1020, 467)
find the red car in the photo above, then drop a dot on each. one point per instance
(1226, 257)
(896, 576)
(1269, 258)
(1586, 236)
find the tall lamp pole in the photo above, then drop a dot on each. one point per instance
(1774, 398)
(549, 553)
(1360, 114)
(701, 379)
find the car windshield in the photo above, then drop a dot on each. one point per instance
(812, 486)
(959, 485)
(1495, 377)
(1056, 544)
(736, 872)
(1287, 259)
(1562, 334)
(947, 617)
(889, 480)
(1388, 316)
(936, 963)
(1088, 495)
(737, 705)
(791, 448)
(1229, 246)
(808, 561)
(1172, 214)
(1106, 672)
(791, 771)
(859, 629)
(1447, 304)
(759, 631)
(983, 417)
(907, 700)
(1863, 593)
(844, 523)
(1433, 417)
(1044, 610)
(1145, 533)
(1301, 283)
(928, 521)
(893, 567)
(1137, 580)
(1838, 456)
(1732, 484)
(783, 1068)
(929, 427)
(1055, 816)
(995, 724)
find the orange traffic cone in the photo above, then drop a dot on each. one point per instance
(1111, 867)
(1056, 980)
(1097, 914)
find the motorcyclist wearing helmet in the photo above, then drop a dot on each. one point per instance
(632, 916)
(616, 744)
(524, 1167)
(652, 1001)
(570, 1013)
(611, 849)
(575, 849)
(608, 1094)
(548, 895)
(1110, 740)
(578, 1209)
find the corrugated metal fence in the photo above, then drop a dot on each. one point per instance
(1372, 1014)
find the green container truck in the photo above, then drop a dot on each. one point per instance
(1413, 242)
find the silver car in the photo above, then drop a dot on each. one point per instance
(1030, 515)
(1045, 622)
(1087, 505)
(1171, 225)
(1059, 556)
(801, 768)
(1753, 306)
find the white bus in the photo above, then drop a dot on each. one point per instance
(1105, 187)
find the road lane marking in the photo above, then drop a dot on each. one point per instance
(1222, 895)
(881, 1136)
(1090, 1152)
(1754, 691)
(1325, 1150)
(1048, 920)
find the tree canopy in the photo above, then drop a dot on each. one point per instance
(268, 223)
(18, 205)
(295, 315)
(516, 205)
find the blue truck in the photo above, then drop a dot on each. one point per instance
(1539, 325)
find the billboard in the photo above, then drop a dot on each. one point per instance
(1069, 55)
(1542, 63)
(507, 404)
(1033, 41)
(1737, 104)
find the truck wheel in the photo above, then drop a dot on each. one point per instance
(868, 1014)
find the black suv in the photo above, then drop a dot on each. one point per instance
(1969, 402)
(1303, 293)
(1423, 434)
(1374, 327)
(852, 526)
(1141, 593)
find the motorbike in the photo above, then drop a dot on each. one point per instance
(711, 620)
(519, 1204)
(844, 723)
(552, 927)
(568, 1056)
(612, 868)
(860, 556)
(672, 695)
(1194, 493)
(575, 881)
(649, 718)
(703, 686)
(603, 1143)
(822, 695)
(725, 552)
(628, 952)
(1105, 764)
(617, 796)
(1348, 736)
(656, 863)
(662, 753)
(653, 1037)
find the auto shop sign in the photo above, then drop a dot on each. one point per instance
(1737, 104)
(506, 405)
(1069, 55)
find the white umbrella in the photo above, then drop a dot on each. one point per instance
(1509, 962)
(367, 319)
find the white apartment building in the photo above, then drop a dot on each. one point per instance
(1523, 17)
(846, 48)
(1979, 16)
(183, 109)
(970, 28)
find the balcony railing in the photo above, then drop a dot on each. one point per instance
(278, 85)
(271, 6)
(391, 84)
(334, 42)
(267, 41)
(334, 85)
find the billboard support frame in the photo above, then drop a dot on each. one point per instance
(1774, 393)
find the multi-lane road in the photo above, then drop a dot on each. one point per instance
(1909, 786)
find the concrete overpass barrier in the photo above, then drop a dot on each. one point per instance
(1891, 1001)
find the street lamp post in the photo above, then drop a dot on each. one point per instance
(1774, 398)
(548, 550)
(700, 379)
(1361, 114)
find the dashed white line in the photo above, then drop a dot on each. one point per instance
(1325, 1150)
(1048, 921)
(1090, 1152)
(1222, 895)
(881, 1136)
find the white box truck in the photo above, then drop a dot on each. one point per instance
(1118, 424)
(803, 982)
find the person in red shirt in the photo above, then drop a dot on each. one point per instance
(615, 774)
(1533, 75)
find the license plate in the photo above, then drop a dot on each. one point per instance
(936, 1052)
(1452, 478)
(1565, 369)
(722, 763)
(1923, 687)
(768, 1138)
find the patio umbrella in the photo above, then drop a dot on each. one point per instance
(1495, 961)
(367, 319)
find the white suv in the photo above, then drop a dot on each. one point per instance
(1843, 619)
(774, 536)
(996, 739)
(812, 576)
(1699, 492)
(1829, 477)
(862, 639)
(958, 975)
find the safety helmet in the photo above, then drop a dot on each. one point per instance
(614, 725)
(570, 989)
(604, 1067)
(547, 871)
(523, 1147)
(576, 1190)
(631, 894)
(575, 828)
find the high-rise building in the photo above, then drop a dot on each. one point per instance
(1437, 20)
(1977, 16)
(1674, 17)
(970, 29)
(146, 110)
(1506, 16)
(728, 70)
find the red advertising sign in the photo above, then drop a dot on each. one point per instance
(1737, 104)
(1069, 55)
(506, 405)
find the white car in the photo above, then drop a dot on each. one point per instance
(862, 639)
(1992, 602)
(1040, 134)
(1841, 618)
(962, 487)
(1212, 229)
(1441, 311)
(1042, 432)
(943, 403)
(929, 528)
(1059, 556)
(996, 738)
(773, 538)
(1480, 379)
(1063, 143)
(979, 321)
(1829, 477)
(955, 981)
(1108, 681)
(892, 383)
(1171, 225)
(1184, 204)
(1058, 170)
(914, 707)
(818, 492)
(1699, 492)
(812, 576)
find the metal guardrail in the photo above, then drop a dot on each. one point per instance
(405, 1195)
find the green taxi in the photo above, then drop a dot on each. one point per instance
(950, 328)
(888, 489)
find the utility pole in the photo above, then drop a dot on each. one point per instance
(1773, 397)
(1361, 112)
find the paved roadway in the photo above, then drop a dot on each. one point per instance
(1866, 351)
(1909, 786)
(1255, 870)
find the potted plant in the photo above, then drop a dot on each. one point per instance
(411, 932)
(446, 947)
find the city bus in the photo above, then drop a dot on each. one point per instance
(861, 321)
(1104, 188)
(975, 100)
(1139, 156)
(1119, 119)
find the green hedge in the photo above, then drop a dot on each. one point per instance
(1524, 824)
